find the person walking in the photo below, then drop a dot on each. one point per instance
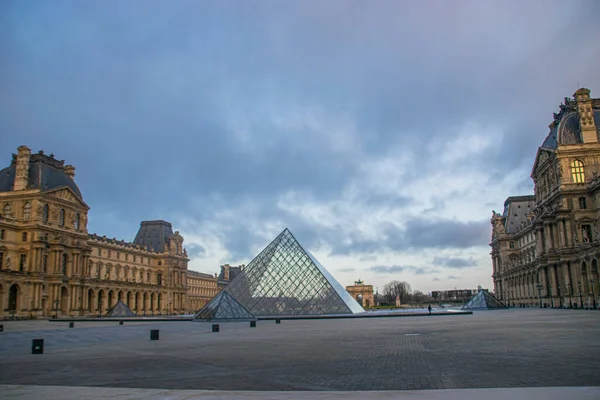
(429, 308)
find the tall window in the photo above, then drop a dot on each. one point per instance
(45, 263)
(511, 245)
(99, 252)
(1, 234)
(61, 218)
(108, 253)
(65, 258)
(45, 213)
(27, 211)
(1, 259)
(577, 171)
(159, 279)
(7, 211)
(22, 262)
(77, 219)
(582, 203)
(586, 231)
(24, 236)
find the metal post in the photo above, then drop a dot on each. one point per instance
(551, 296)
(539, 288)
(55, 308)
(593, 293)
(570, 288)
(560, 297)
(580, 295)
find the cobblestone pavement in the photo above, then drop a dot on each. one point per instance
(491, 349)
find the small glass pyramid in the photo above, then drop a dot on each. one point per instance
(484, 300)
(120, 310)
(223, 307)
(285, 279)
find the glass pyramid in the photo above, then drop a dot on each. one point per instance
(286, 279)
(120, 310)
(484, 300)
(223, 307)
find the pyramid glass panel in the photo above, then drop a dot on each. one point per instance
(120, 310)
(484, 300)
(223, 307)
(286, 279)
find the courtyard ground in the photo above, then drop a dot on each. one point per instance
(489, 349)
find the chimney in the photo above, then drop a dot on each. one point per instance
(225, 272)
(69, 171)
(22, 172)
(586, 115)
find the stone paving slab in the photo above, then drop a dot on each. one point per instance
(8, 392)
(498, 349)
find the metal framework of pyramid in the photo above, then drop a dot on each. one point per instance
(286, 279)
(223, 307)
(484, 300)
(120, 310)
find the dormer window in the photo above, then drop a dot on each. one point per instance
(511, 245)
(582, 203)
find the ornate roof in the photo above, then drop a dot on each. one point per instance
(155, 235)
(45, 173)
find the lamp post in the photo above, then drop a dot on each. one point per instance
(570, 288)
(539, 288)
(593, 293)
(551, 296)
(55, 308)
(580, 296)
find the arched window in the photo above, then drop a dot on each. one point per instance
(77, 219)
(26, 211)
(7, 211)
(61, 218)
(45, 213)
(577, 171)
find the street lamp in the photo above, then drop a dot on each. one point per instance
(551, 296)
(570, 302)
(580, 296)
(593, 294)
(539, 288)
(55, 308)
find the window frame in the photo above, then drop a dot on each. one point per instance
(577, 171)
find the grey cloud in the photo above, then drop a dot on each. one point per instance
(436, 279)
(455, 262)
(452, 277)
(393, 269)
(347, 269)
(446, 233)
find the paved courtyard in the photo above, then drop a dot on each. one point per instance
(493, 349)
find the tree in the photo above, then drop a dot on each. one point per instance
(396, 289)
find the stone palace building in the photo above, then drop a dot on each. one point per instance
(50, 265)
(546, 246)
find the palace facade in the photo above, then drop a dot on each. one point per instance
(546, 246)
(50, 265)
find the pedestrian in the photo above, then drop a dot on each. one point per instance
(429, 308)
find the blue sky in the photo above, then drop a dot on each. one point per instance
(382, 134)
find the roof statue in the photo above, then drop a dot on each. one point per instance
(484, 300)
(223, 307)
(120, 310)
(286, 279)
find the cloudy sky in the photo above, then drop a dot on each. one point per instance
(381, 133)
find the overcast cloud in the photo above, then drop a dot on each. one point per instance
(381, 134)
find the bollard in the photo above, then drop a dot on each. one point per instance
(37, 346)
(154, 334)
(277, 321)
(1, 328)
(120, 322)
(71, 324)
(215, 327)
(252, 324)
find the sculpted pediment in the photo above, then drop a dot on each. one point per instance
(541, 157)
(67, 194)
